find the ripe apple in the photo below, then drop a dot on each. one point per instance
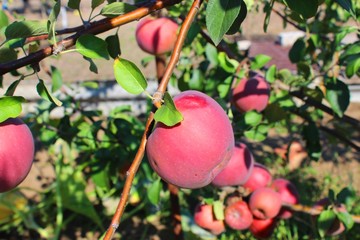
(288, 194)
(259, 177)
(238, 215)
(263, 228)
(251, 94)
(156, 35)
(265, 203)
(238, 169)
(16, 153)
(204, 217)
(191, 153)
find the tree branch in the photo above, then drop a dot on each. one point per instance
(149, 123)
(94, 28)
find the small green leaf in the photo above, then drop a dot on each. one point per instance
(325, 220)
(220, 15)
(347, 196)
(113, 46)
(24, 29)
(211, 54)
(235, 27)
(347, 5)
(345, 218)
(129, 76)
(52, 20)
(4, 20)
(252, 118)
(224, 87)
(218, 209)
(56, 78)
(7, 55)
(96, 3)
(338, 95)
(259, 61)
(153, 192)
(11, 89)
(258, 133)
(90, 84)
(167, 113)
(92, 47)
(197, 80)
(312, 138)
(306, 8)
(227, 64)
(297, 51)
(74, 4)
(93, 68)
(45, 93)
(274, 113)
(353, 67)
(271, 74)
(10, 107)
(267, 9)
(115, 9)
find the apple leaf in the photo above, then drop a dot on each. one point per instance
(45, 93)
(129, 76)
(116, 8)
(96, 3)
(218, 208)
(167, 113)
(11, 89)
(325, 221)
(113, 46)
(4, 20)
(345, 218)
(24, 29)
(10, 107)
(306, 8)
(235, 27)
(253, 118)
(56, 78)
(259, 61)
(338, 95)
(92, 47)
(153, 192)
(271, 74)
(220, 15)
(74, 4)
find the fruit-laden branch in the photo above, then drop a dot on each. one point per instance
(94, 28)
(312, 211)
(149, 123)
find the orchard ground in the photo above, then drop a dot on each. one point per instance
(341, 172)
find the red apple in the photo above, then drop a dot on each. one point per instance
(265, 203)
(156, 35)
(251, 94)
(263, 228)
(288, 193)
(259, 177)
(238, 215)
(204, 217)
(239, 168)
(16, 153)
(191, 153)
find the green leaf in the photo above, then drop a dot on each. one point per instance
(129, 76)
(153, 192)
(312, 138)
(197, 80)
(227, 64)
(45, 93)
(218, 209)
(252, 118)
(56, 78)
(271, 74)
(257, 133)
(259, 61)
(90, 84)
(52, 20)
(211, 54)
(96, 3)
(347, 196)
(338, 95)
(93, 68)
(297, 51)
(11, 89)
(113, 45)
(10, 107)
(345, 218)
(235, 27)
(224, 87)
(92, 47)
(274, 113)
(7, 55)
(353, 67)
(24, 29)
(347, 5)
(74, 4)
(115, 9)
(267, 9)
(167, 113)
(4, 20)
(306, 8)
(325, 220)
(220, 15)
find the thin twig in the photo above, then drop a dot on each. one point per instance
(149, 123)
(94, 28)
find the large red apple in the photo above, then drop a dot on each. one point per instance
(204, 217)
(191, 153)
(259, 177)
(239, 168)
(263, 228)
(251, 94)
(238, 215)
(265, 203)
(16, 153)
(288, 194)
(156, 35)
